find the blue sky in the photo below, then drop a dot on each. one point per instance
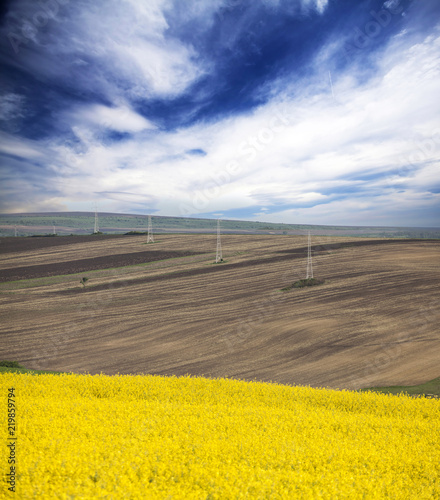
(296, 111)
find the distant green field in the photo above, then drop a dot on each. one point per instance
(15, 367)
(429, 388)
(83, 223)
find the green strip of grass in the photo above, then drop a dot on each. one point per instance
(15, 367)
(429, 388)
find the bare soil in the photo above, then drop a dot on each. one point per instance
(373, 322)
(84, 265)
(12, 244)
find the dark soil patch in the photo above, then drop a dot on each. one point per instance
(84, 265)
(121, 260)
(360, 243)
(11, 244)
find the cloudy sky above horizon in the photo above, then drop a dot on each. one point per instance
(296, 111)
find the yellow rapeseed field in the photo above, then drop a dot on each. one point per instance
(149, 437)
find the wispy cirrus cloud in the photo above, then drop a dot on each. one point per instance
(120, 119)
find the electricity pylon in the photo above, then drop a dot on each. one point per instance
(96, 229)
(150, 231)
(218, 255)
(309, 259)
(15, 230)
(53, 230)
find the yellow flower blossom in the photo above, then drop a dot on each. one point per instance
(150, 437)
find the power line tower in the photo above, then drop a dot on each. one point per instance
(53, 229)
(15, 230)
(150, 238)
(96, 229)
(218, 255)
(309, 259)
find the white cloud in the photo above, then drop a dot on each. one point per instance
(114, 48)
(369, 132)
(22, 148)
(319, 5)
(293, 152)
(302, 148)
(121, 119)
(166, 69)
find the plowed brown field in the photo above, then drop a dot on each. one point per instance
(166, 308)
